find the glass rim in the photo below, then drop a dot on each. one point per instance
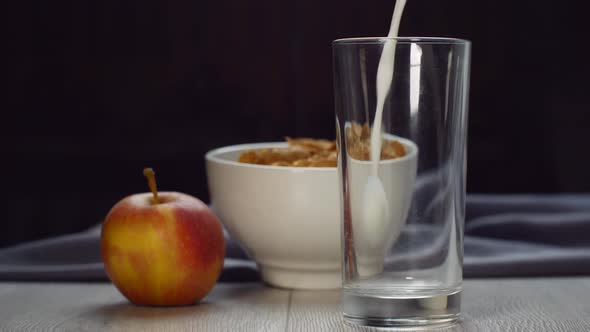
(401, 40)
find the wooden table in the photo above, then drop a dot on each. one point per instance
(561, 304)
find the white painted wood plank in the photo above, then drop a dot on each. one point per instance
(99, 307)
(321, 311)
(528, 304)
(546, 304)
(5, 288)
(501, 305)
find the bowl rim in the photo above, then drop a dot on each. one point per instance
(213, 155)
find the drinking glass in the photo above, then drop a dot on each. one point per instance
(402, 215)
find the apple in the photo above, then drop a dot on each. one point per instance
(162, 249)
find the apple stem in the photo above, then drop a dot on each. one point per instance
(151, 176)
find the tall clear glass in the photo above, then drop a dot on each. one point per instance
(402, 213)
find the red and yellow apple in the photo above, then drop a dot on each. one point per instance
(162, 248)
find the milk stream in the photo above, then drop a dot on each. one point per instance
(376, 210)
(385, 71)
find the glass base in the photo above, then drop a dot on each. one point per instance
(407, 311)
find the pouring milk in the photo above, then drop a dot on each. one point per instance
(376, 214)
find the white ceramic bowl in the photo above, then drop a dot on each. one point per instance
(287, 218)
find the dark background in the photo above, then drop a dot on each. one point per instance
(99, 89)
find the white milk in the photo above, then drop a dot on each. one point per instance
(376, 214)
(384, 77)
(379, 205)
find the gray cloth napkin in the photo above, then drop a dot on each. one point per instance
(505, 236)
